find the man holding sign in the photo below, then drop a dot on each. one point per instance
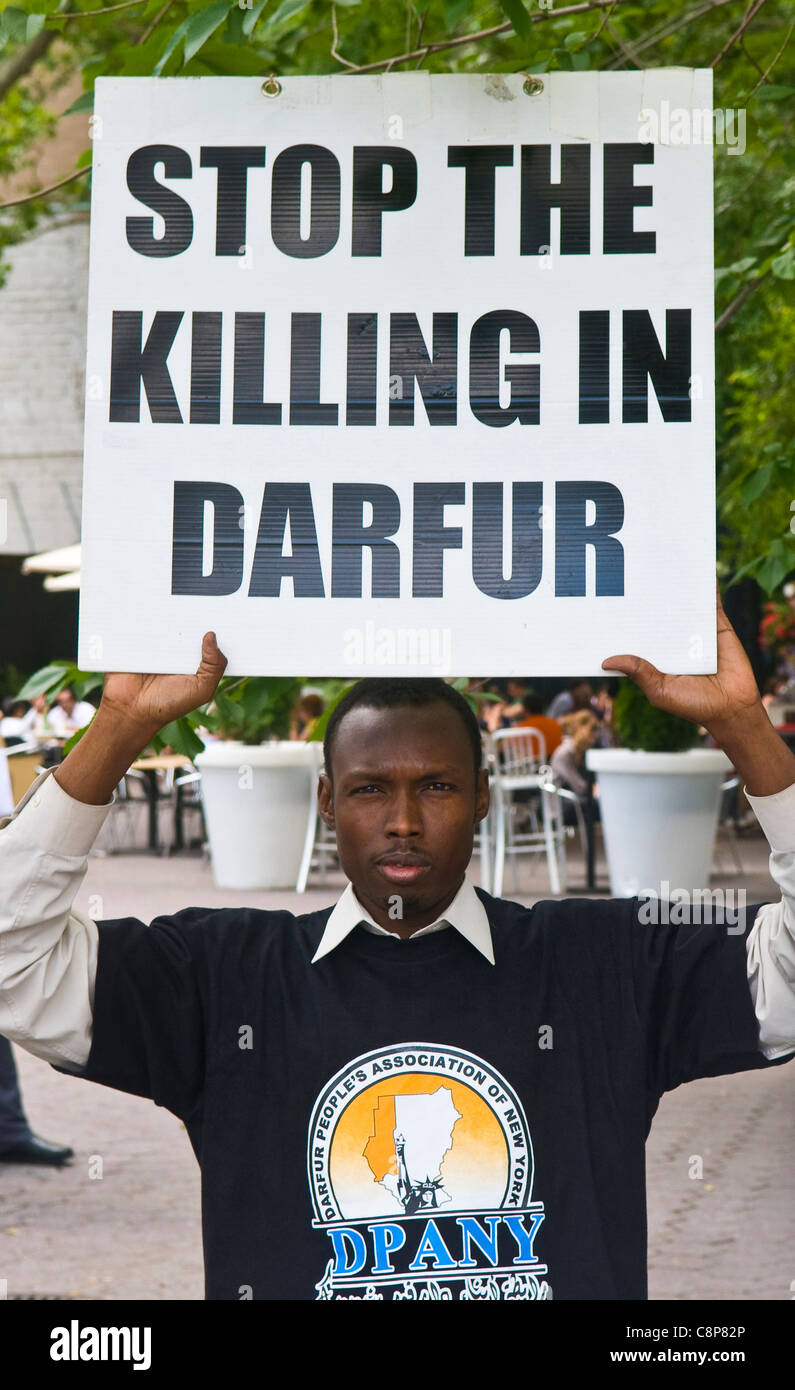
(424, 1091)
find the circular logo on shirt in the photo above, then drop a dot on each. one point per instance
(420, 1168)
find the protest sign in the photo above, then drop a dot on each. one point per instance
(404, 374)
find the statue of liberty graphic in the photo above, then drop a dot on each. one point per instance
(415, 1196)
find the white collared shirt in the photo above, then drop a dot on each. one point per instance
(466, 913)
(48, 949)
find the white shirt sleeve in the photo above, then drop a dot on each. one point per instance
(48, 951)
(771, 940)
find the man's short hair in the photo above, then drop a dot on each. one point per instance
(533, 702)
(402, 693)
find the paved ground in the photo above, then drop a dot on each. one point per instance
(135, 1233)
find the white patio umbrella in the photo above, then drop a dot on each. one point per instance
(56, 583)
(53, 561)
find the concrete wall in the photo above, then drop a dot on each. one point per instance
(42, 373)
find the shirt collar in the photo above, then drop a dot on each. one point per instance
(466, 913)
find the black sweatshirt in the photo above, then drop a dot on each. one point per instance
(405, 1120)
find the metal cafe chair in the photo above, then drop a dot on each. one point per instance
(188, 801)
(125, 819)
(726, 823)
(484, 835)
(320, 843)
(520, 765)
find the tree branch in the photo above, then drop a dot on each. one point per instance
(625, 48)
(90, 14)
(598, 30)
(26, 59)
(420, 27)
(751, 57)
(738, 302)
(760, 168)
(335, 40)
(663, 31)
(753, 9)
(542, 16)
(770, 68)
(40, 192)
(150, 28)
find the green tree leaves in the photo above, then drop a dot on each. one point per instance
(755, 252)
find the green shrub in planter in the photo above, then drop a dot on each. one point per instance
(255, 709)
(248, 709)
(638, 724)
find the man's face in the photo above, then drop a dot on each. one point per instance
(66, 700)
(405, 803)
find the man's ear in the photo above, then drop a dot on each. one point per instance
(325, 800)
(482, 796)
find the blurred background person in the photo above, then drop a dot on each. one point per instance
(568, 760)
(308, 710)
(492, 711)
(508, 709)
(774, 687)
(602, 706)
(17, 721)
(577, 695)
(68, 714)
(18, 1143)
(40, 726)
(534, 718)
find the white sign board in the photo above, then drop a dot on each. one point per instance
(405, 374)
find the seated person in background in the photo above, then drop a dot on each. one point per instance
(40, 727)
(577, 695)
(69, 714)
(773, 688)
(493, 711)
(506, 712)
(579, 731)
(602, 706)
(533, 705)
(16, 722)
(307, 711)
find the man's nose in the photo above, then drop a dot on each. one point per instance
(403, 818)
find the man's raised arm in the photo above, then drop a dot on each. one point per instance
(48, 951)
(729, 706)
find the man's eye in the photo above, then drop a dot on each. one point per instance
(366, 787)
(441, 786)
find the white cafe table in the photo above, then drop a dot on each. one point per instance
(6, 795)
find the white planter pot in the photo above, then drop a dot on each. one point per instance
(659, 816)
(256, 804)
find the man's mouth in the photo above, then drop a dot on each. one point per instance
(402, 868)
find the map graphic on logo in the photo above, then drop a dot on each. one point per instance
(411, 1136)
(420, 1168)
